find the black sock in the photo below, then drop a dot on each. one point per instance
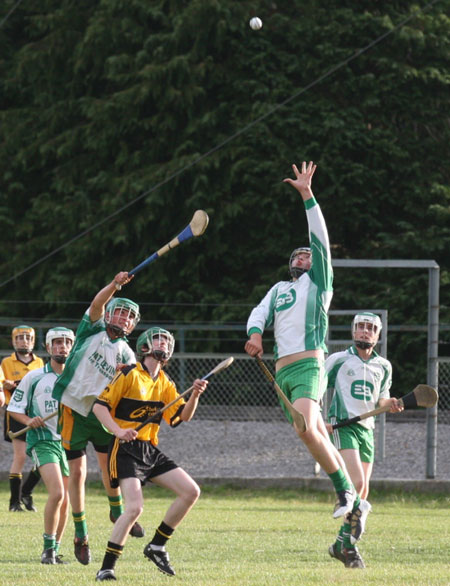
(162, 534)
(15, 484)
(30, 482)
(112, 554)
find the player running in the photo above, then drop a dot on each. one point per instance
(135, 394)
(361, 380)
(298, 311)
(100, 347)
(30, 403)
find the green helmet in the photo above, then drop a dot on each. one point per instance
(54, 334)
(147, 339)
(118, 308)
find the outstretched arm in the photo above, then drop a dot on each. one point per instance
(104, 295)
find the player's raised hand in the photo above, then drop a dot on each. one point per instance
(303, 179)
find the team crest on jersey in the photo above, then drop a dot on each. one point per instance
(350, 372)
(362, 390)
(285, 300)
(18, 396)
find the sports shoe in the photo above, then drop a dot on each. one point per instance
(27, 501)
(358, 521)
(48, 556)
(82, 551)
(344, 502)
(353, 559)
(59, 560)
(335, 553)
(16, 508)
(105, 575)
(136, 531)
(160, 558)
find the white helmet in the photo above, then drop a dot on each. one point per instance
(54, 334)
(365, 317)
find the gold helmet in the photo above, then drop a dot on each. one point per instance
(23, 338)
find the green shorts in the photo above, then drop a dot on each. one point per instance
(355, 437)
(305, 378)
(49, 452)
(77, 431)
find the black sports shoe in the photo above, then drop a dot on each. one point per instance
(27, 500)
(48, 556)
(59, 560)
(344, 502)
(136, 531)
(16, 508)
(82, 551)
(105, 575)
(160, 558)
(335, 553)
(353, 559)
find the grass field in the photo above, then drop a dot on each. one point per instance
(244, 537)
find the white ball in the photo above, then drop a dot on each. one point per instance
(255, 23)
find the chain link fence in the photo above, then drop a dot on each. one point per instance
(444, 390)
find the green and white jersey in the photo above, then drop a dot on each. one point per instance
(33, 396)
(358, 385)
(91, 365)
(298, 310)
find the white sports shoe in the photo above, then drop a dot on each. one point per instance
(344, 502)
(358, 521)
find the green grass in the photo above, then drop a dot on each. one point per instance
(244, 537)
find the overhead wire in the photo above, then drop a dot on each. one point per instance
(230, 138)
(5, 18)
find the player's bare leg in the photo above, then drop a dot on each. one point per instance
(322, 450)
(51, 476)
(114, 493)
(77, 480)
(187, 491)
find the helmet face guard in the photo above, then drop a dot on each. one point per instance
(23, 339)
(154, 340)
(122, 316)
(57, 334)
(366, 328)
(297, 272)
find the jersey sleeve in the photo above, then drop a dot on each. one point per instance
(21, 396)
(172, 415)
(321, 272)
(111, 395)
(262, 316)
(88, 328)
(386, 382)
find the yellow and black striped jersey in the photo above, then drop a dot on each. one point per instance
(14, 369)
(133, 396)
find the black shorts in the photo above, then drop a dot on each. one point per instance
(10, 424)
(136, 459)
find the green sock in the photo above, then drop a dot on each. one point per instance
(116, 506)
(339, 539)
(57, 546)
(339, 480)
(49, 541)
(79, 520)
(356, 503)
(346, 534)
